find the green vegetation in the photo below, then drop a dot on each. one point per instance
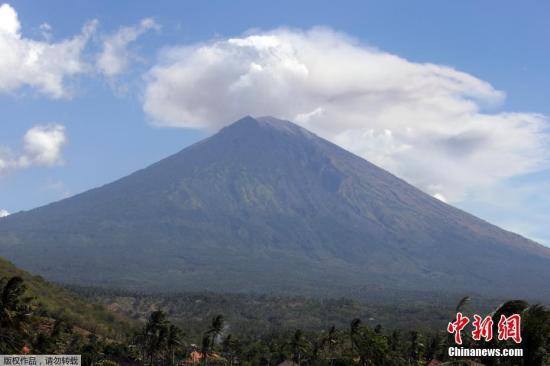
(51, 301)
(161, 342)
(265, 314)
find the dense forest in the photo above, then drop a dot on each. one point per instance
(247, 313)
(27, 326)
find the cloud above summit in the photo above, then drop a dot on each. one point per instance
(439, 128)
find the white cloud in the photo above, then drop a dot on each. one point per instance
(115, 56)
(38, 64)
(433, 125)
(440, 197)
(4, 213)
(42, 146)
(8, 20)
(46, 31)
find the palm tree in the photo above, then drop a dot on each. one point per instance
(174, 341)
(229, 346)
(91, 352)
(396, 348)
(536, 335)
(535, 329)
(205, 348)
(15, 314)
(462, 302)
(355, 328)
(415, 347)
(330, 340)
(508, 308)
(395, 341)
(433, 348)
(216, 327)
(298, 345)
(156, 334)
(212, 334)
(449, 340)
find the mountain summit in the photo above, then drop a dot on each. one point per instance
(265, 205)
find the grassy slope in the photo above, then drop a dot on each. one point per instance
(58, 302)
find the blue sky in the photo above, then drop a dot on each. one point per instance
(452, 96)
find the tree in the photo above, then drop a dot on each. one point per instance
(298, 346)
(354, 334)
(15, 314)
(92, 351)
(216, 328)
(211, 335)
(230, 346)
(330, 342)
(414, 347)
(205, 348)
(536, 335)
(56, 341)
(156, 334)
(354, 331)
(371, 345)
(174, 341)
(433, 349)
(395, 341)
(462, 302)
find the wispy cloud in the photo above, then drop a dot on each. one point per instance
(115, 56)
(47, 66)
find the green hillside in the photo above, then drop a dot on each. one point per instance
(58, 303)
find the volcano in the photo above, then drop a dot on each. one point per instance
(266, 206)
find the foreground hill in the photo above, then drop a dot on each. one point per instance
(267, 206)
(56, 302)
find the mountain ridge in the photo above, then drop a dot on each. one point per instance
(267, 205)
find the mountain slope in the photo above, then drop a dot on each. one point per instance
(265, 205)
(58, 302)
